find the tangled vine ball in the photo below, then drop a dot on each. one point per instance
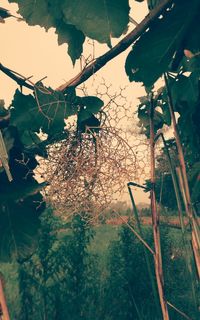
(88, 171)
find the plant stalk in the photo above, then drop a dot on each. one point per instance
(4, 314)
(183, 173)
(154, 289)
(181, 217)
(155, 219)
(193, 238)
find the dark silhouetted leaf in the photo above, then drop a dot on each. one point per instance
(35, 12)
(48, 113)
(16, 192)
(89, 106)
(184, 89)
(75, 39)
(19, 228)
(153, 3)
(74, 19)
(98, 19)
(153, 52)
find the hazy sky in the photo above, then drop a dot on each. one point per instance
(32, 51)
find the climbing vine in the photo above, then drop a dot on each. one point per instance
(165, 47)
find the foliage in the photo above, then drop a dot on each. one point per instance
(59, 276)
(165, 194)
(129, 291)
(170, 44)
(128, 285)
(73, 20)
(115, 270)
(21, 201)
(184, 90)
(47, 109)
(153, 53)
(161, 117)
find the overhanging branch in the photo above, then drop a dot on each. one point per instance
(116, 50)
(21, 80)
(101, 61)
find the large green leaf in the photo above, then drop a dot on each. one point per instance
(48, 14)
(30, 139)
(20, 201)
(185, 95)
(35, 12)
(18, 192)
(143, 115)
(194, 178)
(75, 19)
(89, 105)
(153, 52)
(46, 112)
(75, 39)
(184, 89)
(98, 19)
(19, 228)
(92, 103)
(153, 3)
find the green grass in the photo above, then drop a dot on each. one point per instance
(99, 246)
(104, 234)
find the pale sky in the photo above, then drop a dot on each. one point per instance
(32, 51)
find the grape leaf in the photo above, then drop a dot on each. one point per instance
(184, 89)
(30, 139)
(48, 14)
(35, 12)
(153, 52)
(46, 112)
(98, 19)
(153, 3)
(27, 188)
(90, 105)
(75, 39)
(20, 201)
(19, 228)
(194, 177)
(23, 113)
(73, 20)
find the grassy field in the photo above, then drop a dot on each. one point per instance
(99, 246)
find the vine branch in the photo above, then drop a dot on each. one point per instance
(101, 61)
(21, 80)
(116, 50)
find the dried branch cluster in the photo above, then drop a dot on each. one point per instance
(87, 172)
